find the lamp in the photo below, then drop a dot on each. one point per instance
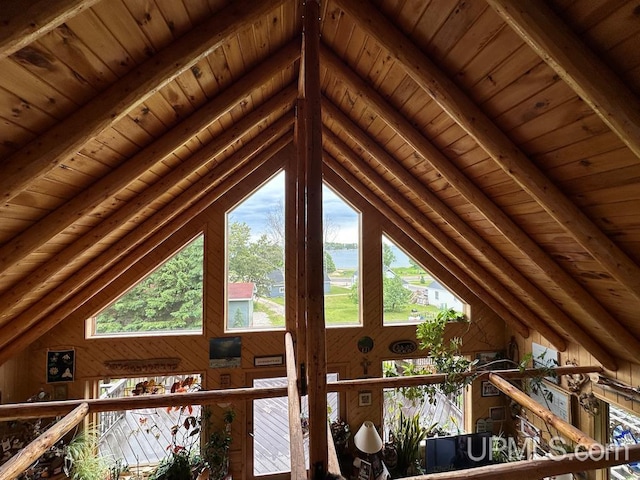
(367, 439)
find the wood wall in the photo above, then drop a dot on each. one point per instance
(592, 425)
(485, 332)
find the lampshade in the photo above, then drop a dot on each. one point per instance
(367, 439)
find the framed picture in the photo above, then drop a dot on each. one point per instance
(497, 414)
(364, 398)
(225, 352)
(491, 360)
(60, 392)
(365, 470)
(268, 361)
(489, 389)
(61, 365)
(545, 357)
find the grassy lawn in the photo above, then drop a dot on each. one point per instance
(276, 319)
(340, 310)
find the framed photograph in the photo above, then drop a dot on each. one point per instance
(225, 352)
(268, 361)
(364, 398)
(61, 365)
(60, 392)
(497, 414)
(365, 470)
(545, 357)
(491, 360)
(489, 389)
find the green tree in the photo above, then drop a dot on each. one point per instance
(252, 261)
(395, 296)
(388, 256)
(169, 298)
(329, 265)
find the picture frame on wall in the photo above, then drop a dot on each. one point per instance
(60, 392)
(364, 398)
(488, 389)
(497, 414)
(61, 365)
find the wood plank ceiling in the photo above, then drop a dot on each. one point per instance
(503, 136)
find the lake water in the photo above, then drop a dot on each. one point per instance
(348, 259)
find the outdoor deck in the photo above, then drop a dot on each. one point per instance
(140, 437)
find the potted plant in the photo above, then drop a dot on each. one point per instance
(446, 355)
(82, 461)
(405, 446)
(215, 451)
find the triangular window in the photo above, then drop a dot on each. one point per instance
(169, 299)
(410, 293)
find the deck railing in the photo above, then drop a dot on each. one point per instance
(108, 419)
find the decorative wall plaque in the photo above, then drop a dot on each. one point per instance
(151, 365)
(403, 346)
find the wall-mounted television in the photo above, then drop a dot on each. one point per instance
(443, 454)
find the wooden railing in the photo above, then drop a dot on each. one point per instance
(106, 420)
(58, 408)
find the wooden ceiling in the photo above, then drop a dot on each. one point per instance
(503, 136)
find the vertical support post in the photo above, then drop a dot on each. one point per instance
(316, 342)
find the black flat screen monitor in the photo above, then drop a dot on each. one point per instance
(444, 454)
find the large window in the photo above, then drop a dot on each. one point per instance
(341, 225)
(255, 259)
(167, 300)
(410, 293)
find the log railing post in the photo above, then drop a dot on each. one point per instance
(29, 454)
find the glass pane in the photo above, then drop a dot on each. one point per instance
(341, 226)
(625, 430)
(167, 300)
(255, 259)
(410, 293)
(271, 450)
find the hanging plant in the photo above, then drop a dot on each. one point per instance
(446, 355)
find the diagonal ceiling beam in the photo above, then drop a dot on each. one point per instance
(33, 20)
(496, 143)
(338, 173)
(584, 72)
(67, 297)
(279, 104)
(475, 196)
(431, 201)
(55, 222)
(68, 136)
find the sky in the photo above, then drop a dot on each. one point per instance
(254, 210)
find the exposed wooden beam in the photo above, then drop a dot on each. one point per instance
(299, 290)
(572, 433)
(296, 438)
(311, 131)
(475, 196)
(276, 106)
(352, 385)
(16, 411)
(591, 78)
(490, 293)
(82, 204)
(76, 290)
(496, 143)
(429, 200)
(67, 137)
(17, 464)
(34, 19)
